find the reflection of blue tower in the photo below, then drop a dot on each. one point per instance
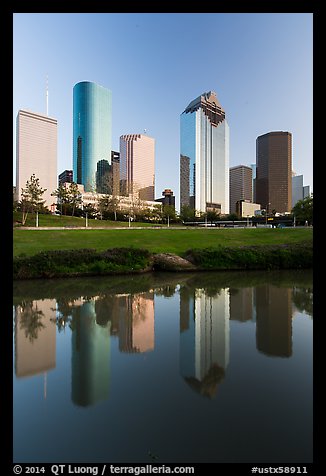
(90, 357)
(204, 339)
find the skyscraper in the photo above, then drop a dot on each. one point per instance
(65, 177)
(240, 185)
(36, 152)
(137, 166)
(274, 171)
(297, 189)
(253, 168)
(92, 131)
(204, 140)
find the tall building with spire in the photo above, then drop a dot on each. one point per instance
(204, 155)
(92, 132)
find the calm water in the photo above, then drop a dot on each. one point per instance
(210, 367)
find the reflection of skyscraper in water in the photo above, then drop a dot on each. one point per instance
(90, 356)
(241, 304)
(136, 322)
(35, 337)
(204, 339)
(273, 325)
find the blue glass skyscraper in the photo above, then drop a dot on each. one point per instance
(92, 131)
(204, 156)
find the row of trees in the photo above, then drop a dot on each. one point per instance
(69, 202)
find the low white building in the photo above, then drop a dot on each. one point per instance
(128, 203)
(247, 209)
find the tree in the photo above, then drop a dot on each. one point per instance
(31, 320)
(31, 197)
(169, 213)
(74, 196)
(232, 216)
(212, 215)
(187, 213)
(108, 205)
(62, 197)
(90, 210)
(303, 210)
(69, 197)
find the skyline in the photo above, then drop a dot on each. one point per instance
(259, 65)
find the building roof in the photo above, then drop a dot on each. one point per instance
(210, 105)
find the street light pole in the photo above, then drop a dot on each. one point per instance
(266, 213)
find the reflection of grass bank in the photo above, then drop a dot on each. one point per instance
(159, 282)
(176, 241)
(87, 262)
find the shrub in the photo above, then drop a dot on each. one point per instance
(84, 261)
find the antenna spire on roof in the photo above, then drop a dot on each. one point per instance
(47, 95)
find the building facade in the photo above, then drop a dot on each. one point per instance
(253, 168)
(204, 155)
(137, 166)
(299, 191)
(240, 185)
(306, 191)
(36, 152)
(274, 171)
(168, 198)
(246, 209)
(92, 131)
(65, 177)
(108, 175)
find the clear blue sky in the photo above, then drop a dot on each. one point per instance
(259, 64)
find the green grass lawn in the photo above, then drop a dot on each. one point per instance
(171, 240)
(62, 221)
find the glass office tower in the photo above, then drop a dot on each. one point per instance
(204, 155)
(92, 131)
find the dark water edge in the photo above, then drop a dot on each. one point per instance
(52, 288)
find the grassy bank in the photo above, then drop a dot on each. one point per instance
(48, 220)
(86, 262)
(177, 241)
